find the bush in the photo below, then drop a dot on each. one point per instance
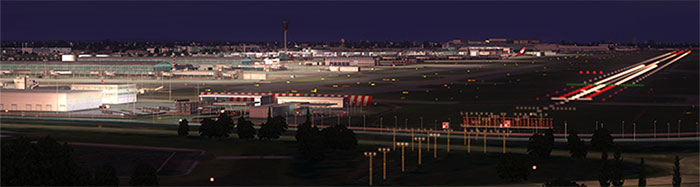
(143, 175)
(184, 128)
(45, 163)
(577, 147)
(512, 168)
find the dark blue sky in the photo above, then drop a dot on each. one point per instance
(359, 20)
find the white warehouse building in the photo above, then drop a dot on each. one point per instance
(49, 100)
(111, 93)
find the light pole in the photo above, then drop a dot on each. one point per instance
(679, 128)
(384, 150)
(396, 122)
(381, 120)
(412, 139)
(370, 155)
(419, 139)
(421, 122)
(654, 129)
(484, 141)
(469, 141)
(465, 134)
(566, 128)
(634, 131)
(403, 146)
(448, 140)
(394, 138)
(623, 129)
(505, 133)
(434, 135)
(427, 146)
(668, 132)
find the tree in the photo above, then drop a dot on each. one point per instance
(512, 168)
(601, 139)
(206, 127)
(642, 174)
(273, 127)
(245, 129)
(304, 129)
(222, 127)
(616, 177)
(106, 175)
(576, 146)
(561, 182)
(339, 137)
(540, 146)
(314, 146)
(311, 142)
(184, 128)
(45, 163)
(677, 172)
(143, 175)
(604, 175)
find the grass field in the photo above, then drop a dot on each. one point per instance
(339, 168)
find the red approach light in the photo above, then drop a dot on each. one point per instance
(625, 87)
(601, 72)
(588, 72)
(603, 99)
(537, 98)
(594, 72)
(570, 87)
(609, 96)
(615, 93)
(547, 95)
(557, 92)
(620, 89)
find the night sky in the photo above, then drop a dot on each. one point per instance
(359, 20)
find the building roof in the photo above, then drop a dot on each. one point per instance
(45, 91)
(130, 63)
(98, 84)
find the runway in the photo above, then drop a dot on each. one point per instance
(629, 75)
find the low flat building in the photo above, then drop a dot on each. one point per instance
(49, 100)
(260, 99)
(350, 61)
(260, 112)
(328, 102)
(111, 93)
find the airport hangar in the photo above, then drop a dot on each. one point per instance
(49, 100)
(54, 99)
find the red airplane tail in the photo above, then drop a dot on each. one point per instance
(522, 51)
